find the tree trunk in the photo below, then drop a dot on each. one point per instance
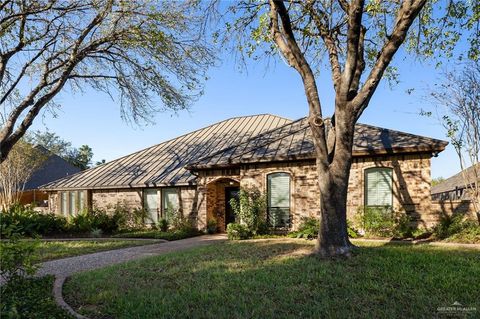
(333, 237)
(333, 185)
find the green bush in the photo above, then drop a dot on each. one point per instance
(155, 234)
(383, 222)
(163, 224)
(238, 231)
(456, 228)
(308, 228)
(32, 223)
(250, 210)
(17, 257)
(212, 226)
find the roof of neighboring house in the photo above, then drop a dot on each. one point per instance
(294, 141)
(52, 169)
(456, 181)
(164, 164)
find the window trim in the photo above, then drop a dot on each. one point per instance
(267, 184)
(365, 186)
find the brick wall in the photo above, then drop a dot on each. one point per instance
(411, 185)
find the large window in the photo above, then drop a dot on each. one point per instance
(170, 202)
(72, 207)
(151, 204)
(378, 187)
(81, 201)
(278, 189)
(63, 203)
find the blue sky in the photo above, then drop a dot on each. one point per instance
(94, 119)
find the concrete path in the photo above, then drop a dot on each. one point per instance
(62, 268)
(68, 266)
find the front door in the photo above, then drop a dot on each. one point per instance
(230, 193)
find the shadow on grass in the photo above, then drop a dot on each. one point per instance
(273, 279)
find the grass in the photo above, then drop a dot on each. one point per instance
(157, 234)
(280, 279)
(30, 299)
(49, 250)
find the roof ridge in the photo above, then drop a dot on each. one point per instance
(403, 132)
(248, 140)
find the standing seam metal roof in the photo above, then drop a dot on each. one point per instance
(294, 141)
(164, 164)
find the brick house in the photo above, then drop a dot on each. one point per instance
(199, 172)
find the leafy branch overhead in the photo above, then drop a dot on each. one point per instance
(356, 41)
(134, 51)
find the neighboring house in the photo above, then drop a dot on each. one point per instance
(453, 188)
(53, 168)
(199, 172)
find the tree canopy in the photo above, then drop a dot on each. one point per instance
(148, 55)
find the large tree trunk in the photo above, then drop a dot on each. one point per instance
(333, 237)
(333, 185)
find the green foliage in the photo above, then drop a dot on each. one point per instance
(17, 257)
(32, 223)
(383, 222)
(250, 209)
(79, 157)
(212, 226)
(273, 279)
(308, 228)
(436, 181)
(163, 224)
(238, 231)
(155, 234)
(30, 299)
(456, 229)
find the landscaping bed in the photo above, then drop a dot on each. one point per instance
(280, 279)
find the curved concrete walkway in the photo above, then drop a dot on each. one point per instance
(62, 268)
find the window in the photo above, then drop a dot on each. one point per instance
(81, 201)
(378, 187)
(72, 209)
(151, 204)
(278, 189)
(63, 203)
(170, 202)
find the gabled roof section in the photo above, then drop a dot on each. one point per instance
(294, 141)
(53, 168)
(163, 164)
(457, 180)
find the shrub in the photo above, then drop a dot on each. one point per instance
(163, 224)
(238, 231)
(16, 256)
(250, 209)
(32, 223)
(456, 228)
(383, 222)
(212, 226)
(308, 228)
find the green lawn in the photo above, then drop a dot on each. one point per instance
(279, 279)
(49, 250)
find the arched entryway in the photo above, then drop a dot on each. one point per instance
(219, 194)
